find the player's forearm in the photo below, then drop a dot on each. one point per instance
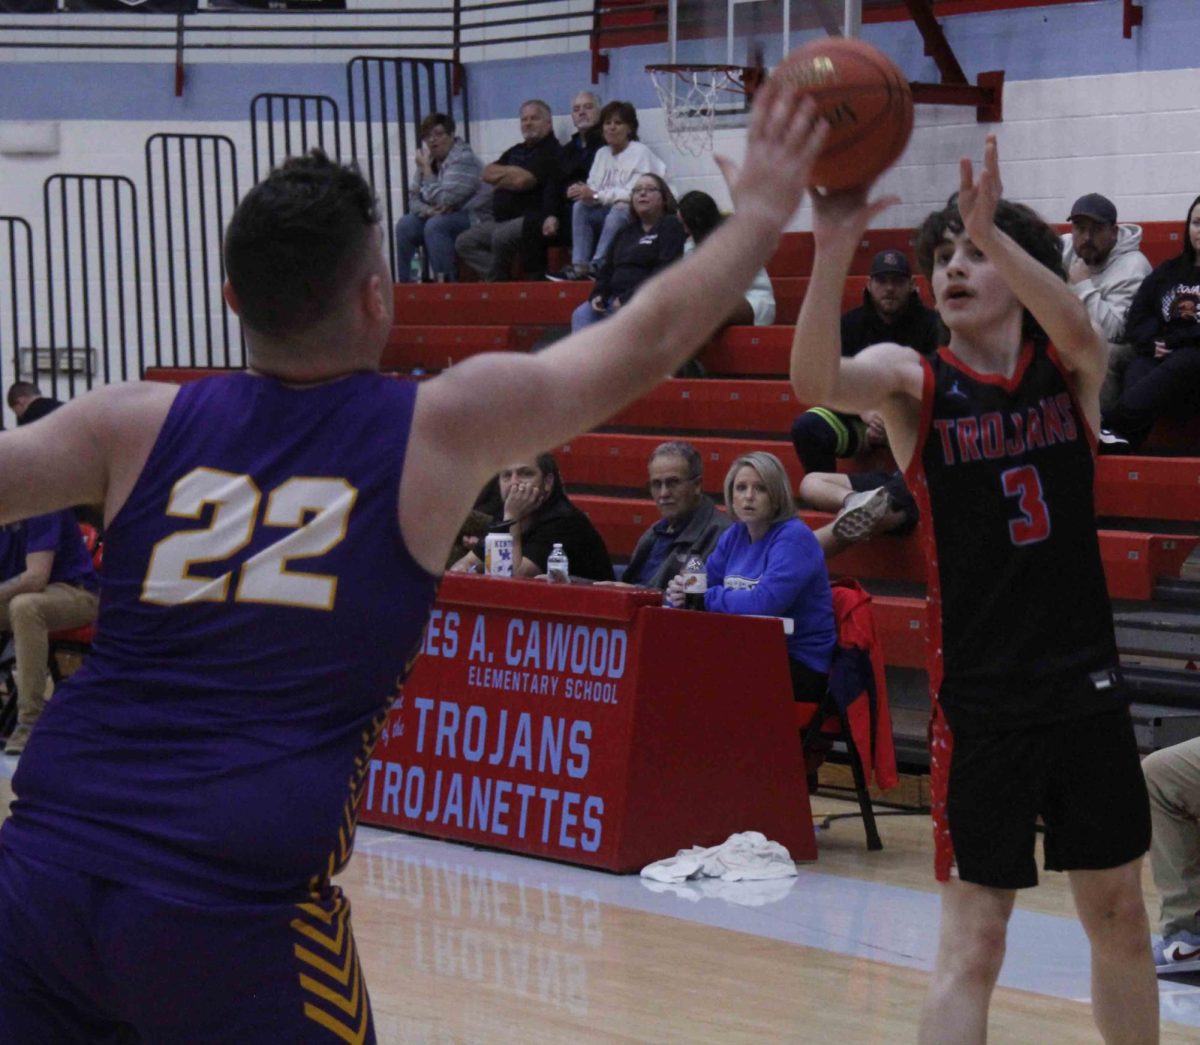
(1053, 304)
(816, 343)
(674, 313)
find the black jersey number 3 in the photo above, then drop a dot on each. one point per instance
(1025, 484)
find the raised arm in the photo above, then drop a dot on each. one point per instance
(1053, 304)
(496, 408)
(887, 378)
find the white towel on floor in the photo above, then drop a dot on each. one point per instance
(746, 856)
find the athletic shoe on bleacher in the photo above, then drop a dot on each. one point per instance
(1108, 442)
(1178, 953)
(569, 274)
(861, 514)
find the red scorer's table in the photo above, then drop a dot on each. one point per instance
(591, 725)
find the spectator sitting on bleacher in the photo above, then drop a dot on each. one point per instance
(891, 312)
(447, 177)
(1163, 327)
(1173, 783)
(645, 246)
(528, 500)
(768, 562)
(574, 166)
(26, 400)
(690, 523)
(1105, 268)
(601, 205)
(56, 588)
(699, 216)
(521, 180)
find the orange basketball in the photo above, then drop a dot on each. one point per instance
(865, 100)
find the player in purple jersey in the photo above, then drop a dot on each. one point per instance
(273, 543)
(996, 434)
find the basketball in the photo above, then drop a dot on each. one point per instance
(865, 100)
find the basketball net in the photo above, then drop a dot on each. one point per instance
(689, 95)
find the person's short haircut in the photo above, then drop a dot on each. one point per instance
(22, 390)
(586, 94)
(678, 448)
(668, 197)
(700, 214)
(296, 241)
(1022, 223)
(537, 103)
(774, 476)
(436, 119)
(623, 111)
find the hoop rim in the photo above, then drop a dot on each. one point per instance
(697, 67)
(740, 79)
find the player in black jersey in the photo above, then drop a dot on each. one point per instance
(996, 434)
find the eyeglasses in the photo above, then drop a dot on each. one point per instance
(671, 483)
(643, 189)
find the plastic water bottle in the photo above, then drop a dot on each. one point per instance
(558, 570)
(695, 583)
(414, 268)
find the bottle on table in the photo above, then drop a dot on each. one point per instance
(558, 569)
(415, 268)
(695, 583)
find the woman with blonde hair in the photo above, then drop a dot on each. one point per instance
(769, 563)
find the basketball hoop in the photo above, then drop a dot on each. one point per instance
(691, 96)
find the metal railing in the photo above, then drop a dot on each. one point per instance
(18, 312)
(92, 245)
(191, 191)
(388, 98)
(448, 28)
(290, 125)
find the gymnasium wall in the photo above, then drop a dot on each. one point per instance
(1084, 109)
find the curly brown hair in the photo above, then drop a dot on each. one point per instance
(1022, 223)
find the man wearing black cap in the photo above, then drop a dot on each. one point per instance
(870, 502)
(1105, 268)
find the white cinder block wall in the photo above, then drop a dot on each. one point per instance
(1084, 110)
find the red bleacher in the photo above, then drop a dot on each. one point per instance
(724, 416)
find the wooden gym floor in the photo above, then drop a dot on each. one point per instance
(466, 945)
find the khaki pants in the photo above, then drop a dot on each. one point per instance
(1173, 780)
(31, 616)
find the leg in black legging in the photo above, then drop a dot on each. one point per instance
(821, 436)
(1154, 387)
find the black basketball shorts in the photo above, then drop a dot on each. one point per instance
(1083, 778)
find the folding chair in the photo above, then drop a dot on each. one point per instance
(854, 709)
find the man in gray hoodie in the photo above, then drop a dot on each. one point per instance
(1105, 268)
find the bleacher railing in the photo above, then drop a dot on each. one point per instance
(93, 284)
(388, 98)
(283, 125)
(191, 192)
(18, 309)
(450, 29)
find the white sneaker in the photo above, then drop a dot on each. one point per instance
(1178, 953)
(1109, 442)
(861, 514)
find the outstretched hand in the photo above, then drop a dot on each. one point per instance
(977, 199)
(783, 141)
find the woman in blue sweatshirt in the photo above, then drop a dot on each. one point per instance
(769, 563)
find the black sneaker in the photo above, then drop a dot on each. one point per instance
(1109, 442)
(567, 275)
